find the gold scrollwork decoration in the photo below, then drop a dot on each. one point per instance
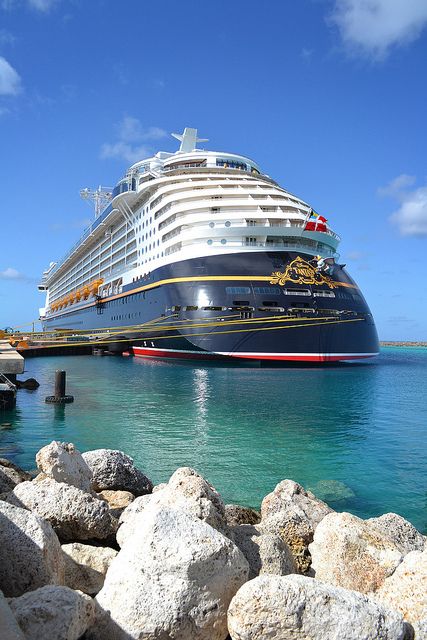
(299, 271)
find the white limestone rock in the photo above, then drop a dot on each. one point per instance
(62, 462)
(420, 629)
(236, 515)
(53, 613)
(116, 471)
(174, 578)
(291, 496)
(406, 590)
(86, 566)
(9, 628)
(265, 553)
(73, 514)
(186, 491)
(351, 553)
(30, 553)
(11, 475)
(116, 500)
(297, 607)
(297, 533)
(404, 535)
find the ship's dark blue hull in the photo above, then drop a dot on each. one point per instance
(257, 306)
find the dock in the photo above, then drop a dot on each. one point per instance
(11, 363)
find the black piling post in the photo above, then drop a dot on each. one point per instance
(60, 397)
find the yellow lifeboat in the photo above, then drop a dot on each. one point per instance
(71, 298)
(94, 286)
(78, 295)
(86, 292)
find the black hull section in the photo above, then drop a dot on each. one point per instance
(256, 306)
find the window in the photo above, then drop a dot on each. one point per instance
(250, 240)
(214, 308)
(297, 292)
(251, 223)
(271, 291)
(235, 290)
(323, 294)
(191, 308)
(209, 242)
(227, 223)
(211, 224)
(223, 241)
(241, 303)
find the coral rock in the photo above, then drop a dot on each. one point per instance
(53, 613)
(30, 553)
(62, 462)
(86, 566)
(73, 514)
(351, 553)
(307, 609)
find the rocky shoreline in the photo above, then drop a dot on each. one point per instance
(90, 550)
(402, 344)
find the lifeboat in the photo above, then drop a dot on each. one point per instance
(71, 298)
(78, 295)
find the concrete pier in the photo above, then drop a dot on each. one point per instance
(11, 363)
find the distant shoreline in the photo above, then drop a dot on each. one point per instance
(391, 343)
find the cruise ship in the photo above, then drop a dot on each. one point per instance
(199, 254)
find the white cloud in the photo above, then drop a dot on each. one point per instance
(10, 82)
(11, 274)
(374, 27)
(6, 37)
(411, 216)
(42, 5)
(131, 144)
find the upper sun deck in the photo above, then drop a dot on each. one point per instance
(193, 201)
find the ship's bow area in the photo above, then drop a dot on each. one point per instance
(268, 306)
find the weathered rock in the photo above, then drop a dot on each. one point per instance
(30, 553)
(173, 579)
(9, 628)
(420, 629)
(86, 566)
(265, 553)
(129, 520)
(53, 613)
(235, 515)
(116, 471)
(406, 589)
(299, 607)
(73, 514)
(11, 475)
(349, 552)
(291, 496)
(62, 462)
(116, 500)
(295, 531)
(186, 491)
(332, 491)
(403, 533)
(190, 485)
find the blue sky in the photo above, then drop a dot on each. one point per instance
(328, 96)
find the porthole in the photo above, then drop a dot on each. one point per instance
(223, 241)
(209, 242)
(228, 223)
(211, 224)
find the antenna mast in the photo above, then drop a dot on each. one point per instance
(99, 197)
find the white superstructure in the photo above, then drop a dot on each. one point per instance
(176, 206)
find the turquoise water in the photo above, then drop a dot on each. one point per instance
(245, 429)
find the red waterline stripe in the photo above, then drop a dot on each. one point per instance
(205, 355)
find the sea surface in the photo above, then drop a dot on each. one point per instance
(354, 434)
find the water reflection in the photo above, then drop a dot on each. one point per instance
(244, 428)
